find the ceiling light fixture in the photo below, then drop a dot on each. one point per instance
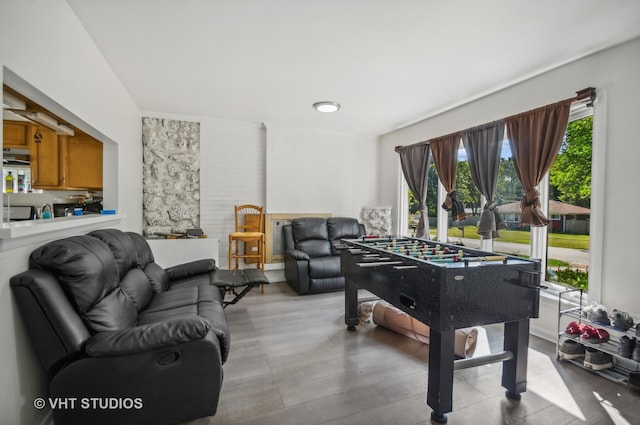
(326, 106)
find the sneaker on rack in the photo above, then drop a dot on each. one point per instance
(636, 351)
(597, 360)
(621, 320)
(627, 346)
(596, 313)
(573, 328)
(594, 336)
(589, 334)
(603, 335)
(571, 350)
(634, 380)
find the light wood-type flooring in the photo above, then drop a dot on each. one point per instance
(293, 362)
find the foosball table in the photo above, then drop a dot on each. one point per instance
(448, 287)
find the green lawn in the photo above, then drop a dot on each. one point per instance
(559, 240)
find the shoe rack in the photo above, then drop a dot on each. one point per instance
(571, 310)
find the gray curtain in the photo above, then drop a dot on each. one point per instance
(483, 145)
(535, 138)
(414, 160)
(445, 158)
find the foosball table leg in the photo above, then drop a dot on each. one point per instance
(350, 305)
(514, 371)
(440, 377)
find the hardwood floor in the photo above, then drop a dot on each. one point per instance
(293, 362)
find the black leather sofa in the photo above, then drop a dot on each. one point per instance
(312, 258)
(130, 342)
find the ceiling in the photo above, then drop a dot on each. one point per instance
(388, 63)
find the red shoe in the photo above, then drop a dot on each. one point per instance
(603, 335)
(589, 334)
(573, 329)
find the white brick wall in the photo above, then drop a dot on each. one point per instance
(319, 171)
(309, 171)
(232, 172)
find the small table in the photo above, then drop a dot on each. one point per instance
(230, 280)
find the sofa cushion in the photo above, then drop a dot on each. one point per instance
(137, 286)
(189, 301)
(157, 276)
(122, 248)
(144, 255)
(315, 247)
(83, 265)
(309, 228)
(200, 280)
(310, 235)
(112, 313)
(343, 228)
(322, 267)
(179, 297)
(147, 337)
(88, 274)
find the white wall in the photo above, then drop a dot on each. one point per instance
(284, 169)
(614, 73)
(42, 42)
(320, 171)
(232, 172)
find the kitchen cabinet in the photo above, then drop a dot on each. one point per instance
(46, 159)
(58, 162)
(15, 135)
(83, 157)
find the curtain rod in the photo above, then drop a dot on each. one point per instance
(586, 96)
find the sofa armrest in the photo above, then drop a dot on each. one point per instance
(147, 337)
(192, 268)
(297, 254)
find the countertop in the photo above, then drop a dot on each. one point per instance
(20, 229)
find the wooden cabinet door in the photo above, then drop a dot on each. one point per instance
(15, 135)
(84, 163)
(46, 164)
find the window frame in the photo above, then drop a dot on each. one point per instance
(539, 235)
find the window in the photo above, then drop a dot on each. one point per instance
(564, 245)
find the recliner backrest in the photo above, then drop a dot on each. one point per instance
(157, 275)
(311, 236)
(135, 283)
(342, 228)
(87, 271)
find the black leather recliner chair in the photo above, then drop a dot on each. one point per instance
(131, 342)
(312, 258)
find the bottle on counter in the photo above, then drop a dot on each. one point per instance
(9, 182)
(21, 185)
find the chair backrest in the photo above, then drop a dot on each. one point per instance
(249, 218)
(310, 235)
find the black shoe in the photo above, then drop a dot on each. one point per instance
(638, 330)
(627, 346)
(634, 380)
(636, 351)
